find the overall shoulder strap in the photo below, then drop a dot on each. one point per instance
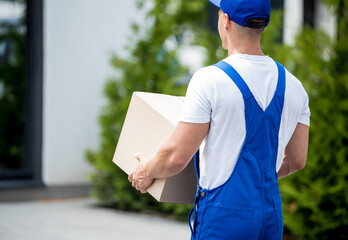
(280, 91)
(196, 162)
(236, 78)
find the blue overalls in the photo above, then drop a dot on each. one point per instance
(248, 204)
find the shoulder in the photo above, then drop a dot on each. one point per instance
(209, 76)
(294, 85)
(204, 80)
(296, 99)
(204, 75)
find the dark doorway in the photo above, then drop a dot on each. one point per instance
(277, 4)
(20, 92)
(308, 12)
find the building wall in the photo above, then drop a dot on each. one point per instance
(326, 20)
(79, 39)
(293, 19)
(294, 12)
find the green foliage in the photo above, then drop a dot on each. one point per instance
(151, 67)
(315, 199)
(271, 40)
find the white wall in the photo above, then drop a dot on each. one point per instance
(79, 37)
(324, 19)
(293, 19)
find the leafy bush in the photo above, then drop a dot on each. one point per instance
(315, 199)
(151, 67)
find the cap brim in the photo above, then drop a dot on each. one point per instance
(215, 2)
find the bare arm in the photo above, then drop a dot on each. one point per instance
(295, 152)
(172, 157)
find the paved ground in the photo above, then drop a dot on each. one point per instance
(77, 219)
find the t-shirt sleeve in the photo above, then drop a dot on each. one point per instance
(197, 106)
(305, 114)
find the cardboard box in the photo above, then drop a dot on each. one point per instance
(150, 120)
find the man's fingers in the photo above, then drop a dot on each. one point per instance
(138, 177)
(143, 191)
(139, 157)
(130, 177)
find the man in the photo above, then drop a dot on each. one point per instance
(249, 117)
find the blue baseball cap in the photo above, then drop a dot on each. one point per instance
(241, 11)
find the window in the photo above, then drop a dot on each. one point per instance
(308, 12)
(277, 4)
(20, 91)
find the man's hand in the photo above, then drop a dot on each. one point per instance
(295, 154)
(140, 178)
(172, 157)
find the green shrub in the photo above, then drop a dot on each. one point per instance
(315, 199)
(151, 67)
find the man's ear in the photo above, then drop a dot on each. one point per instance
(227, 22)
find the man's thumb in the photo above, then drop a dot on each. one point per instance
(138, 156)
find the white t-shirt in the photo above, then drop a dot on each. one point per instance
(213, 97)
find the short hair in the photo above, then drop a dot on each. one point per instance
(251, 32)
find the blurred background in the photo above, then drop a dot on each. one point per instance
(68, 69)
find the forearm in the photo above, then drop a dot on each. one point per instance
(166, 163)
(295, 154)
(284, 169)
(288, 167)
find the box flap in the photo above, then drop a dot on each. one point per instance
(170, 107)
(137, 136)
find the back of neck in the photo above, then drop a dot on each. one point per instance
(244, 46)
